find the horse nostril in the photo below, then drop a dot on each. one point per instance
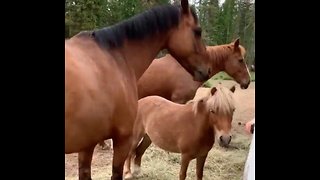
(225, 139)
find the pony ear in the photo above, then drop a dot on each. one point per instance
(237, 43)
(233, 88)
(185, 6)
(213, 90)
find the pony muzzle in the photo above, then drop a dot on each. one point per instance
(224, 140)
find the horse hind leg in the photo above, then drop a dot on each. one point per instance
(143, 146)
(84, 160)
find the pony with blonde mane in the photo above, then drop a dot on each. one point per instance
(189, 129)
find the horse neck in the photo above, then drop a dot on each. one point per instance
(218, 55)
(138, 55)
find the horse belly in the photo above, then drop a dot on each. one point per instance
(92, 103)
(88, 124)
(163, 143)
(161, 132)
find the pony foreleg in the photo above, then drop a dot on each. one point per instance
(121, 147)
(127, 168)
(200, 164)
(127, 165)
(185, 159)
(84, 160)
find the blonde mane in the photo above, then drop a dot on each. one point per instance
(222, 102)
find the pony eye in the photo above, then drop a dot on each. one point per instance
(197, 32)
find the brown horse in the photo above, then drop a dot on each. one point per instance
(102, 69)
(189, 129)
(177, 85)
(165, 77)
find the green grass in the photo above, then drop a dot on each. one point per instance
(223, 76)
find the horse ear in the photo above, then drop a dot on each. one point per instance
(237, 43)
(213, 90)
(185, 6)
(233, 88)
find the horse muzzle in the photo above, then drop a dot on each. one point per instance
(245, 85)
(200, 76)
(224, 140)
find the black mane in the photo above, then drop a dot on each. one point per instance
(155, 20)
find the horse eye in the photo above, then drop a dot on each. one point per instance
(212, 111)
(197, 32)
(241, 60)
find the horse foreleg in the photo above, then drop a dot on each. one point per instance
(185, 159)
(84, 160)
(121, 147)
(200, 164)
(139, 152)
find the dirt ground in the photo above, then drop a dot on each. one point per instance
(158, 164)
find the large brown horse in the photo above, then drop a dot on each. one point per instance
(189, 129)
(102, 69)
(177, 85)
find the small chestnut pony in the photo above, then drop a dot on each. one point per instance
(189, 129)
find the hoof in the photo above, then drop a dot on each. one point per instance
(136, 170)
(128, 176)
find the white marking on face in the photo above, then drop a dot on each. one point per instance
(248, 71)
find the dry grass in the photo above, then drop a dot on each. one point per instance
(221, 163)
(157, 164)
